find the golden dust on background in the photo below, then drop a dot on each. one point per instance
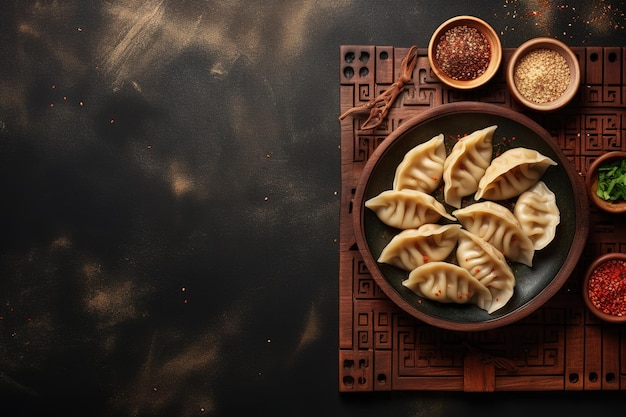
(559, 20)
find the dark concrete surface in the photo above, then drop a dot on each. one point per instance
(169, 185)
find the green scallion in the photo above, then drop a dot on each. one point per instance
(612, 181)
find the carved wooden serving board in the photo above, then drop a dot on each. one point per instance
(561, 346)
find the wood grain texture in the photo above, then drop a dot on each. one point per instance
(561, 346)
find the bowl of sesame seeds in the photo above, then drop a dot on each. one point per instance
(464, 52)
(543, 74)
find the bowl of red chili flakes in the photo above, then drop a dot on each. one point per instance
(543, 74)
(604, 287)
(464, 52)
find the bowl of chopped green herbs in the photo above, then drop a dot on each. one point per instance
(606, 182)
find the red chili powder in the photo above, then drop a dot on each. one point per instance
(463, 53)
(607, 288)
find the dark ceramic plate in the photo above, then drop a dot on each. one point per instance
(551, 266)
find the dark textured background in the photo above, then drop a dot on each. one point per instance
(169, 187)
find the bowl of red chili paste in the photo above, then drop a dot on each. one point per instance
(606, 182)
(604, 287)
(464, 52)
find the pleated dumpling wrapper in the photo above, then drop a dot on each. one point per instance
(498, 226)
(407, 209)
(538, 214)
(512, 173)
(466, 165)
(485, 263)
(448, 283)
(414, 247)
(422, 167)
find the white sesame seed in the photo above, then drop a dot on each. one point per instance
(542, 75)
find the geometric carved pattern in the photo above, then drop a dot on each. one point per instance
(561, 346)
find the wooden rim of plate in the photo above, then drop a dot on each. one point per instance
(552, 288)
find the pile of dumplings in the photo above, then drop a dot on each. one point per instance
(487, 235)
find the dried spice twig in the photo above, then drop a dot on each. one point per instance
(379, 107)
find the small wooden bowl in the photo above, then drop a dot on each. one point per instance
(494, 43)
(586, 296)
(554, 45)
(592, 183)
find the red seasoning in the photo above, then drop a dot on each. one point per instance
(607, 287)
(463, 53)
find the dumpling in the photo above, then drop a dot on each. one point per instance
(512, 173)
(448, 283)
(414, 247)
(422, 167)
(407, 209)
(538, 214)
(485, 263)
(466, 164)
(498, 226)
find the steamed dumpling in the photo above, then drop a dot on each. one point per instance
(422, 167)
(448, 283)
(466, 165)
(512, 173)
(407, 209)
(415, 247)
(485, 263)
(538, 214)
(498, 226)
